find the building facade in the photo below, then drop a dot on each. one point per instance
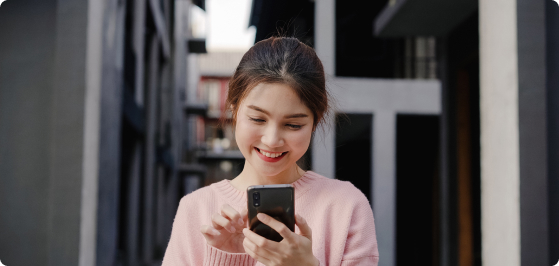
(453, 107)
(92, 129)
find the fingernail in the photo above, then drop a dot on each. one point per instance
(215, 232)
(241, 222)
(261, 216)
(232, 229)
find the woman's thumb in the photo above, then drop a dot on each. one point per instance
(303, 226)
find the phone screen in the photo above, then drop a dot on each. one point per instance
(275, 200)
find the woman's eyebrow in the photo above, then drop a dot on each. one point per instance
(253, 107)
(296, 115)
(256, 108)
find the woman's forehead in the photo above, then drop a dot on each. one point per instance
(275, 97)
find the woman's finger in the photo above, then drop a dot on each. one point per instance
(260, 241)
(220, 223)
(208, 230)
(281, 228)
(303, 226)
(256, 252)
(233, 215)
(244, 215)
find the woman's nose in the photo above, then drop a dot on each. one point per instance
(272, 137)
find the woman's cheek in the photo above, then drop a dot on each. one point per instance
(302, 139)
(246, 131)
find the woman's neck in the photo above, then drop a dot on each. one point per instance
(249, 177)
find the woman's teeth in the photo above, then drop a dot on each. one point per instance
(271, 155)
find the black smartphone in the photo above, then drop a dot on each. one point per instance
(274, 200)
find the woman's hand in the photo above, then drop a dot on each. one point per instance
(226, 231)
(294, 249)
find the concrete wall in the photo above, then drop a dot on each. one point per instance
(26, 86)
(42, 95)
(61, 84)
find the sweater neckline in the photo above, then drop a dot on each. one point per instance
(233, 196)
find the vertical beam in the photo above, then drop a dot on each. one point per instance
(192, 77)
(446, 157)
(139, 47)
(500, 212)
(179, 89)
(161, 26)
(552, 56)
(164, 116)
(88, 227)
(67, 139)
(110, 134)
(532, 127)
(133, 206)
(464, 171)
(150, 164)
(325, 40)
(181, 67)
(160, 226)
(372, 181)
(384, 184)
(134, 232)
(323, 149)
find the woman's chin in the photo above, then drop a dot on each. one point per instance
(270, 174)
(272, 171)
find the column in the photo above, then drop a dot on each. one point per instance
(384, 184)
(500, 211)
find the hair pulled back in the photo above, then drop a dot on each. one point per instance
(283, 60)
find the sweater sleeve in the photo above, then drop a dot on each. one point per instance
(175, 254)
(361, 245)
(217, 257)
(187, 246)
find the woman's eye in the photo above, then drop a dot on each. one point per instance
(294, 126)
(257, 120)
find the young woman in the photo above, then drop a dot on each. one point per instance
(278, 99)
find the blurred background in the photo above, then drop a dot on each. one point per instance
(447, 119)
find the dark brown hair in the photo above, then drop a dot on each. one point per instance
(283, 60)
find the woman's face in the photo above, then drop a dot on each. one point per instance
(273, 129)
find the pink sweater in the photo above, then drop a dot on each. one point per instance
(339, 215)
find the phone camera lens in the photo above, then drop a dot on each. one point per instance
(256, 199)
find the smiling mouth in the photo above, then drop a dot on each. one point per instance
(270, 154)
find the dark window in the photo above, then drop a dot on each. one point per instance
(417, 182)
(358, 52)
(353, 150)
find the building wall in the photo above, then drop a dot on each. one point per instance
(26, 85)
(384, 99)
(42, 98)
(63, 65)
